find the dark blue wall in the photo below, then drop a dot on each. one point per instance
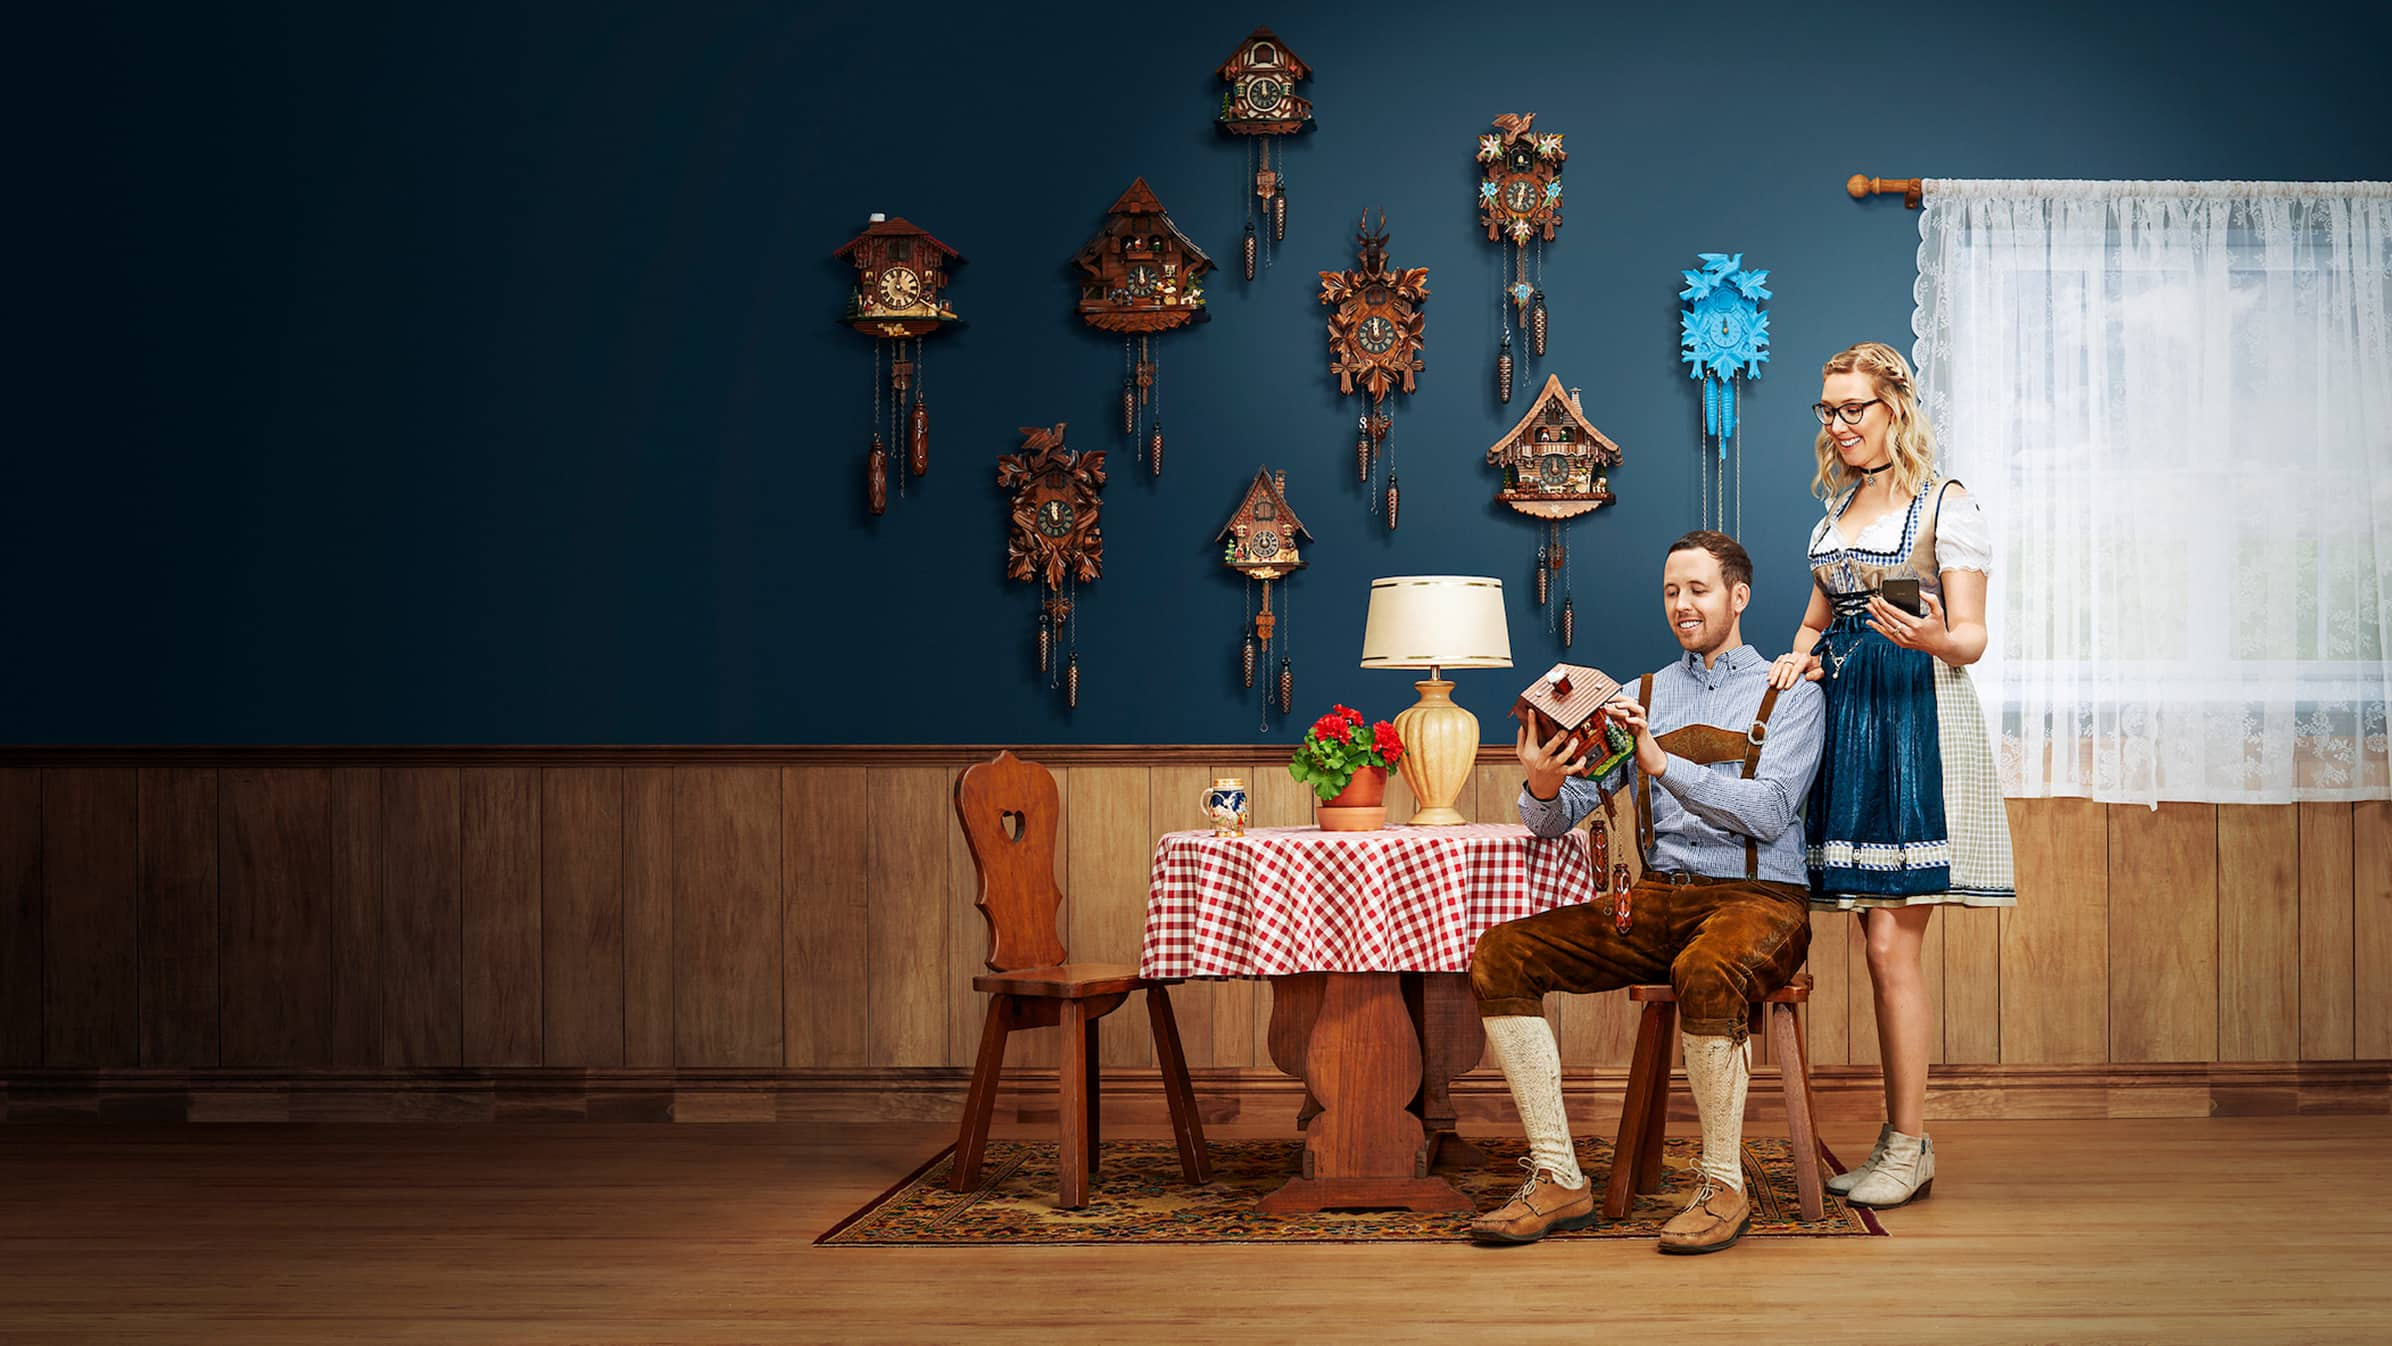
(426, 374)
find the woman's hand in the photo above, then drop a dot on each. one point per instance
(1927, 633)
(1548, 763)
(1793, 668)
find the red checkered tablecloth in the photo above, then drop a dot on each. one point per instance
(1281, 900)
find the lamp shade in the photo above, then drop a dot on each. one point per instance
(1436, 621)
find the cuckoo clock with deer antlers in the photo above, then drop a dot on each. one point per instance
(899, 297)
(1519, 201)
(1375, 341)
(1139, 276)
(1054, 542)
(1261, 105)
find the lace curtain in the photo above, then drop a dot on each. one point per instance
(2175, 401)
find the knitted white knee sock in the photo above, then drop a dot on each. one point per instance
(1718, 1069)
(1522, 1044)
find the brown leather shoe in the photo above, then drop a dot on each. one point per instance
(1714, 1220)
(1541, 1206)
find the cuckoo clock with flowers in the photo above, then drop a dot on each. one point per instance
(1554, 464)
(1141, 276)
(1519, 202)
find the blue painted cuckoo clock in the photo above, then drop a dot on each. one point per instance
(1723, 339)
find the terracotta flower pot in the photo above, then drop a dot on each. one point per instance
(1360, 807)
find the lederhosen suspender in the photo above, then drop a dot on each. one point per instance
(1704, 744)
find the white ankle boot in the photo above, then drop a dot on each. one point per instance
(1904, 1175)
(1843, 1183)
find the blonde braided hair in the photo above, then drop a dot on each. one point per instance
(1912, 439)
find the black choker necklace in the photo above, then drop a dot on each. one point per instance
(1870, 473)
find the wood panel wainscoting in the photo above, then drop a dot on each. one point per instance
(703, 933)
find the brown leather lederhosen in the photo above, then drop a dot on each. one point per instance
(1704, 744)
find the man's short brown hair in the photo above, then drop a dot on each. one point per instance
(1734, 565)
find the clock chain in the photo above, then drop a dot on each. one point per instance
(1071, 673)
(1287, 667)
(1154, 390)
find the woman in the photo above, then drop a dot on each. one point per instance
(1905, 814)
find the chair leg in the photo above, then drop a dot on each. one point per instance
(1071, 1148)
(1187, 1128)
(1096, 1094)
(972, 1140)
(1648, 1174)
(1627, 1153)
(1795, 1077)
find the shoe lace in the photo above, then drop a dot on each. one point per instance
(1529, 1186)
(1703, 1191)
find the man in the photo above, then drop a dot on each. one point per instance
(1721, 914)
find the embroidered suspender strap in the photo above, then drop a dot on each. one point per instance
(1644, 788)
(1754, 738)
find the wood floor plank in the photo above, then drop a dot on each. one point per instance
(2055, 942)
(648, 916)
(179, 920)
(422, 917)
(727, 935)
(827, 886)
(90, 937)
(21, 1029)
(2163, 932)
(2259, 957)
(2328, 967)
(906, 919)
(276, 895)
(581, 916)
(1105, 901)
(501, 908)
(2371, 927)
(353, 830)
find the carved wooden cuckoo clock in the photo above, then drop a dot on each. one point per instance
(1260, 542)
(1055, 542)
(1375, 340)
(1140, 275)
(900, 296)
(1261, 103)
(1554, 462)
(1519, 200)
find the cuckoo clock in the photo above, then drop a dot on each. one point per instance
(1553, 462)
(900, 297)
(1055, 542)
(1375, 339)
(1260, 542)
(1261, 104)
(1723, 336)
(1519, 200)
(1140, 275)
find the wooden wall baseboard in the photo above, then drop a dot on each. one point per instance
(935, 1094)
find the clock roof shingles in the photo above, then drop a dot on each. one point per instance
(1139, 200)
(1265, 484)
(1514, 442)
(1288, 60)
(896, 228)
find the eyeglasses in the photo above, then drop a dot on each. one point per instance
(1849, 413)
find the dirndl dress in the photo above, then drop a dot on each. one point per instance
(1906, 809)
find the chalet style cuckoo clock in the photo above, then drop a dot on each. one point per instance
(1261, 103)
(1375, 340)
(1260, 542)
(1140, 275)
(1553, 463)
(1519, 200)
(900, 296)
(1723, 337)
(1055, 542)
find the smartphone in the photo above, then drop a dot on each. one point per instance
(1904, 594)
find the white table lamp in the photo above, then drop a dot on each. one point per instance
(1436, 622)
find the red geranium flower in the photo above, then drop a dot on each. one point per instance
(1352, 715)
(1390, 746)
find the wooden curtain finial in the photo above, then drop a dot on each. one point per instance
(1862, 187)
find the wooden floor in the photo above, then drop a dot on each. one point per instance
(2215, 1230)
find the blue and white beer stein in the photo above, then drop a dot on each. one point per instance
(1225, 806)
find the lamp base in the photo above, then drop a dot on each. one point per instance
(1440, 747)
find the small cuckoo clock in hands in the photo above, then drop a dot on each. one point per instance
(1140, 275)
(1054, 542)
(900, 297)
(1519, 201)
(1261, 104)
(1375, 340)
(1555, 464)
(1260, 541)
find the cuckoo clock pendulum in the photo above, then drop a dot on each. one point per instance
(1554, 465)
(1261, 104)
(1375, 340)
(1260, 542)
(1723, 338)
(900, 297)
(1139, 276)
(1054, 542)
(1519, 200)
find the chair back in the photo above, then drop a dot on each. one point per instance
(1010, 811)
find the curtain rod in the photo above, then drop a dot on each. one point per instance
(1913, 190)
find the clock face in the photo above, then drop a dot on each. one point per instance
(900, 287)
(1376, 334)
(1521, 195)
(1265, 544)
(1553, 469)
(1055, 518)
(1265, 94)
(1142, 281)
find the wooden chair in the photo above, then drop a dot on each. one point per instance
(1010, 810)
(1644, 1116)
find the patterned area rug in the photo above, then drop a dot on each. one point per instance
(1139, 1196)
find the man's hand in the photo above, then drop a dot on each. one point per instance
(1649, 758)
(1548, 763)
